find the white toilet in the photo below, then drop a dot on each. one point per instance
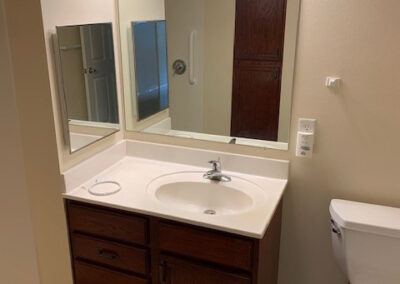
(366, 241)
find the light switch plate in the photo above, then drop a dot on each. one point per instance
(333, 82)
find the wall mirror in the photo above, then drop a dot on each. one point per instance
(211, 70)
(87, 82)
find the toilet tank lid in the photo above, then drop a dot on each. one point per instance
(365, 217)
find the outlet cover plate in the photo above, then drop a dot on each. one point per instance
(307, 125)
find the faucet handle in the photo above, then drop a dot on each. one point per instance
(216, 165)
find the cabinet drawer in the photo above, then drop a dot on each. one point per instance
(109, 253)
(108, 224)
(206, 245)
(91, 274)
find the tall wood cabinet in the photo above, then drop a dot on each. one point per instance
(259, 41)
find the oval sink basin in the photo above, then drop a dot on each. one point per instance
(190, 192)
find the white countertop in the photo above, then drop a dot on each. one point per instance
(135, 173)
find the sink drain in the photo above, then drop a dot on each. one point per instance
(210, 212)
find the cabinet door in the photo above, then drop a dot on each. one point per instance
(177, 271)
(256, 100)
(205, 245)
(260, 29)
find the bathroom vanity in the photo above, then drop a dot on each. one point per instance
(196, 69)
(115, 246)
(169, 224)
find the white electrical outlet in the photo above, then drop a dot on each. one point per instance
(305, 137)
(307, 125)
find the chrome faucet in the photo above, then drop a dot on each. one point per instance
(215, 174)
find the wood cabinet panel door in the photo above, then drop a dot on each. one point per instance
(256, 101)
(214, 247)
(260, 29)
(177, 271)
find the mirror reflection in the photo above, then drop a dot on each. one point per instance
(213, 70)
(151, 67)
(87, 83)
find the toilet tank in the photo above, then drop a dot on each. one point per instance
(366, 241)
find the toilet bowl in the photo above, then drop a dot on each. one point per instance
(366, 241)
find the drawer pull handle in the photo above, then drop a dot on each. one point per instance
(108, 254)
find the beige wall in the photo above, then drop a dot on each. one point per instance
(219, 32)
(74, 12)
(18, 264)
(357, 150)
(185, 100)
(38, 147)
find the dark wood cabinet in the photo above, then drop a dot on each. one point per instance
(111, 225)
(114, 246)
(179, 271)
(257, 68)
(86, 273)
(260, 29)
(116, 255)
(256, 100)
(204, 245)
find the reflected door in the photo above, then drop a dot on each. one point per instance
(256, 99)
(259, 41)
(99, 70)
